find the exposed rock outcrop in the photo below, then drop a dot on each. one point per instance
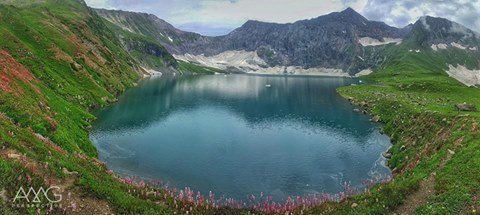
(465, 107)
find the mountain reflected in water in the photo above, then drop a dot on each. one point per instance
(240, 134)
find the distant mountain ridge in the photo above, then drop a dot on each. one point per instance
(152, 27)
(340, 43)
(433, 30)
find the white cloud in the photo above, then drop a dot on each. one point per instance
(229, 14)
(238, 12)
(401, 13)
(98, 3)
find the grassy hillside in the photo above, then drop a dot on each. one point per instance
(139, 23)
(140, 36)
(436, 148)
(149, 53)
(68, 63)
(58, 61)
(56, 65)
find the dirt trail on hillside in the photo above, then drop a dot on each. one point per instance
(420, 197)
(73, 199)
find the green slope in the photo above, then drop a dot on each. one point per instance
(59, 61)
(138, 23)
(76, 65)
(436, 148)
(142, 37)
(72, 64)
(148, 26)
(147, 52)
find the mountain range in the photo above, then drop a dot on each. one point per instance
(340, 43)
(60, 61)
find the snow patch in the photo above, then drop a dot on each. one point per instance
(368, 41)
(250, 62)
(442, 46)
(436, 47)
(128, 29)
(456, 45)
(171, 40)
(464, 75)
(364, 72)
(297, 70)
(151, 72)
(239, 59)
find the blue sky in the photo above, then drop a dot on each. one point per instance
(217, 17)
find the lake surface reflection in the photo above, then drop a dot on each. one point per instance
(235, 136)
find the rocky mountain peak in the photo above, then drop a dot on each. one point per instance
(433, 30)
(351, 13)
(348, 15)
(251, 22)
(256, 24)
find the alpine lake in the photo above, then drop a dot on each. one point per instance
(237, 135)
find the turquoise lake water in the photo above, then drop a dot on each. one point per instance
(236, 136)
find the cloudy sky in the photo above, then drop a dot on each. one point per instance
(217, 17)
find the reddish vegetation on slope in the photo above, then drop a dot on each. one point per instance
(10, 70)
